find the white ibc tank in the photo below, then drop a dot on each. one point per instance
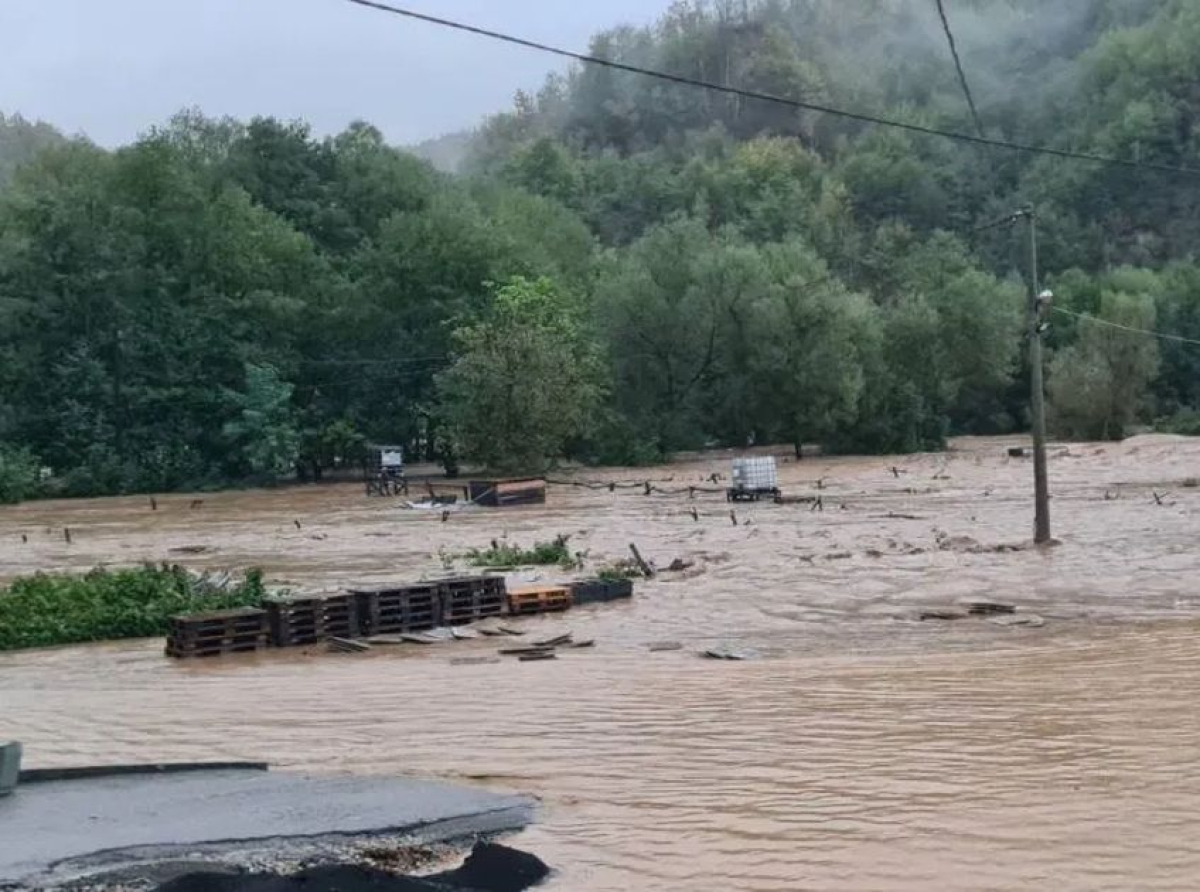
(755, 473)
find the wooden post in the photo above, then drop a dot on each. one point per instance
(1037, 395)
(646, 569)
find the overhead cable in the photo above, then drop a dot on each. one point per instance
(767, 97)
(962, 76)
(1096, 320)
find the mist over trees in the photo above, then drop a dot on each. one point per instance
(622, 267)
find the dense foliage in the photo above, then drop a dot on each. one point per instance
(625, 267)
(44, 610)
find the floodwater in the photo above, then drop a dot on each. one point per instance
(865, 750)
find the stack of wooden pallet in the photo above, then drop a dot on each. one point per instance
(538, 599)
(296, 621)
(469, 599)
(223, 632)
(399, 609)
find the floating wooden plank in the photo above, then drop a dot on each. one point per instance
(520, 651)
(988, 608)
(538, 657)
(1030, 620)
(949, 615)
(720, 653)
(646, 569)
(665, 646)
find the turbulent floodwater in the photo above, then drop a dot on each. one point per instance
(864, 751)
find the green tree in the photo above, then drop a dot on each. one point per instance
(19, 474)
(264, 432)
(526, 380)
(1099, 386)
(814, 342)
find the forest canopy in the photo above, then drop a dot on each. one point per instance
(622, 267)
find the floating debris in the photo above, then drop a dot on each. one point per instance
(524, 651)
(722, 653)
(948, 615)
(664, 646)
(1028, 620)
(989, 608)
(346, 646)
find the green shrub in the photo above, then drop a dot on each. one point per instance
(504, 555)
(620, 571)
(19, 474)
(1185, 421)
(45, 610)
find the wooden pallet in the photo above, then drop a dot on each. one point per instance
(298, 621)
(599, 591)
(538, 599)
(212, 634)
(472, 598)
(216, 647)
(399, 609)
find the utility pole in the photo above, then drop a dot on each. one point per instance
(1037, 396)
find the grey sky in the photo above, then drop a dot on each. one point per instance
(113, 68)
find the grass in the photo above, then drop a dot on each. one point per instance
(105, 605)
(507, 556)
(620, 571)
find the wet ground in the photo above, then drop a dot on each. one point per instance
(866, 750)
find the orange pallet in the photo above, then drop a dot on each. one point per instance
(538, 599)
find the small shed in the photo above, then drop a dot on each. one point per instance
(508, 493)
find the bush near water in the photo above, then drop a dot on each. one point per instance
(45, 610)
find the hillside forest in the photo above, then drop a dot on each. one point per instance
(618, 268)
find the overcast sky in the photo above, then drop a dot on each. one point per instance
(112, 69)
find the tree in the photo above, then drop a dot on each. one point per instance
(20, 474)
(666, 308)
(21, 141)
(1098, 385)
(525, 382)
(264, 433)
(814, 341)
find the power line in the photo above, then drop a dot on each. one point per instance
(417, 360)
(962, 77)
(767, 97)
(1142, 331)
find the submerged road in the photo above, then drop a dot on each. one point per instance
(56, 830)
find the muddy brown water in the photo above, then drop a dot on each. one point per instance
(865, 750)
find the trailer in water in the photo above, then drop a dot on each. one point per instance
(508, 493)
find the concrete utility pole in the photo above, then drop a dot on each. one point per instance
(1037, 396)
